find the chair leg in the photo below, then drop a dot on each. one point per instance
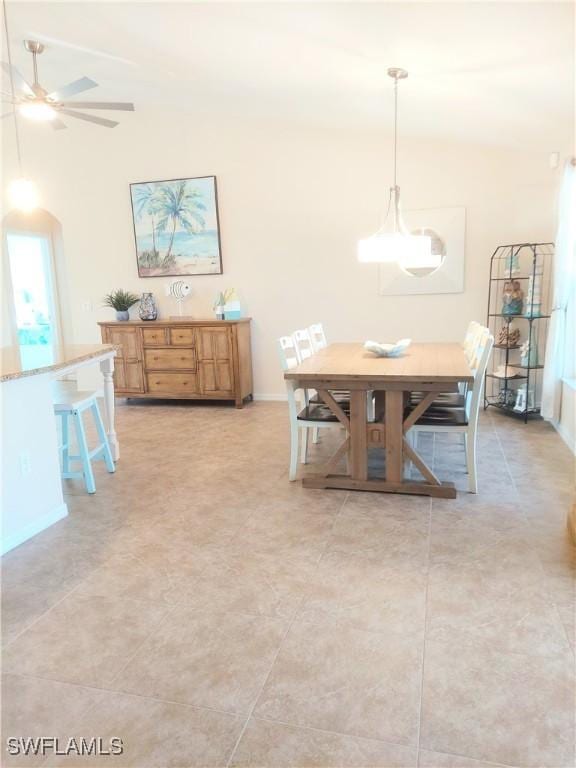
(304, 446)
(108, 460)
(65, 443)
(315, 435)
(293, 450)
(83, 449)
(470, 442)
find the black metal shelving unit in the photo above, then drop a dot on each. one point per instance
(530, 265)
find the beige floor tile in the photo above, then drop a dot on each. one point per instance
(386, 535)
(217, 660)
(283, 746)
(84, 639)
(22, 604)
(427, 759)
(354, 591)
(157, 734)
(496, 601)
(503, 708)
(33, 708)
(243, 582)
(358, 683)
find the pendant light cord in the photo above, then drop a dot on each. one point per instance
(16, 130)
(395, 127)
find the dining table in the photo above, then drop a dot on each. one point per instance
(426, 368)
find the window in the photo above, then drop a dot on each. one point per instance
(33, 294)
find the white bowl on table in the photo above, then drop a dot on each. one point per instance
(387, 350)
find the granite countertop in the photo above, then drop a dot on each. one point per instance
(18, 362)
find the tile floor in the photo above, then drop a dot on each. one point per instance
(210, 613)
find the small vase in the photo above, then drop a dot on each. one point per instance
(148, 310)
(219, 311)
(122, 315)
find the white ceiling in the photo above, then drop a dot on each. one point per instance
(497, 72)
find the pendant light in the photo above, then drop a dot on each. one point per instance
(22, 192)
(393, 242)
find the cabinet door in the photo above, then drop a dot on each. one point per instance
(215, 361)
(128, 369)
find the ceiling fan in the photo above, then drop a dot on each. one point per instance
(36, 103)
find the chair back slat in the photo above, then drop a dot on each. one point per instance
(317, 336)
(288, 352)
(303, 344)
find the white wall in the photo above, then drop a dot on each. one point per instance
(294, 200)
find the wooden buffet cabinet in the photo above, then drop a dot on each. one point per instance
(198, 359)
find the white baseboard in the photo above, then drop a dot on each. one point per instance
(271, 398)
(565, 435)
(33, 528)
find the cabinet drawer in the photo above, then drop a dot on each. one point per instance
(170, 359)
(183, 337)
(172, 383)
(154, 337)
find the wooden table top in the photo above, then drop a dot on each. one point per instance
(421, 362)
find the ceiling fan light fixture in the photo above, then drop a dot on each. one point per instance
(23, 195)
(39, 111)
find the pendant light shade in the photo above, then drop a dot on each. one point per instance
(393, 242)
(23, 195)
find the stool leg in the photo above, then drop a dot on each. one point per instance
(84, 457)
(109, 461)
(65, 444)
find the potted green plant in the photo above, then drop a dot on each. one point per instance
(121, 301)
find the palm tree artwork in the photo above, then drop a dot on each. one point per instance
(176, 227)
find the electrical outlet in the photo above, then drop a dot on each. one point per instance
(25, 465)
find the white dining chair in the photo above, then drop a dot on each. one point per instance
(313, 416)
(462, 420)
(303, 341)
(318, 336)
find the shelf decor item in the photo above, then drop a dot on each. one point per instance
(519, 294)
(179, 290)
(148, 309)
(121, 301)
(512, 298)
(508, 336)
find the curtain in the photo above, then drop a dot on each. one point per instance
(559, 356)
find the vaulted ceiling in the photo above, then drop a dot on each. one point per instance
(500, 72)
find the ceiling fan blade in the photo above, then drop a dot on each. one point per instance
(83, 84)
(89, 118)
(58, 124)
(125, 105)
(18, 79)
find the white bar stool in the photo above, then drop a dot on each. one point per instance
(70, 402)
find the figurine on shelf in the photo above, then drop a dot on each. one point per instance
(529, 354)
(507, 397)
(508, 336)
(512, 298)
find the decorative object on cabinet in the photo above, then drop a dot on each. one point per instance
(516, 366)
(148, 310)
(446, 228)
(512, 298)
(179, 290)
(232, 309)
(222, 302)
(176, 227)
(188, 359)
(121, 301)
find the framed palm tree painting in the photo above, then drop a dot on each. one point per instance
(176, 227)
